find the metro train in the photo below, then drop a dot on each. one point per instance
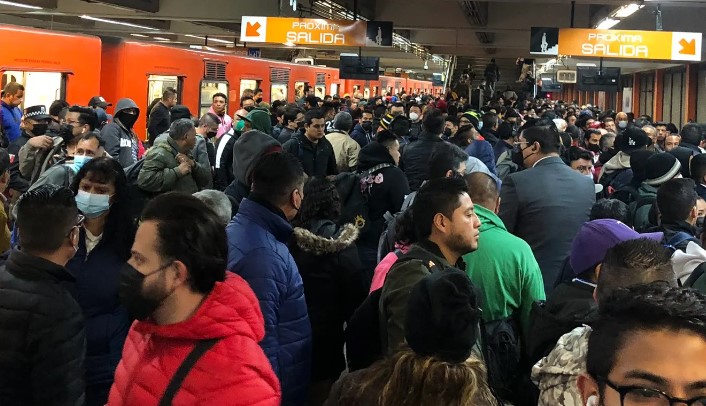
(57, 65)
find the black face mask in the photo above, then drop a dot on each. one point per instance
(367, 125)
(593, 147)
(300, 124)
(517, 157)
(258, 100)
(66, 132)
(699, 225)
(249, 108)
(211, 134)
(131, 295)
(40, 129)
(128, 120)
(447, 132)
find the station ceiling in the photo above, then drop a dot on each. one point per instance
(475, 31)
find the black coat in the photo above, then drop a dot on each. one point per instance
(158, 122)
(386, 196)
(327, 260)
(17, 182)
(317, 159)
(43, 339)
(415, 159)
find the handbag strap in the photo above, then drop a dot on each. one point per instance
(175, 383)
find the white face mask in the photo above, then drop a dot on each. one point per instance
(413, 116)
(622, 124)
(590, 176)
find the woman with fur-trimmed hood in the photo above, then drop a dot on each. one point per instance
(328, 262)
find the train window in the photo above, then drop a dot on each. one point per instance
(278, 91)
(41, 88)
(208, 89)
(375, 91)
(299, 90)
(157, 84)
(334, 88)
(251, 84)
(320, 90)
(366, 93)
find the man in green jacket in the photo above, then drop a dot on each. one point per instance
(169, 167)
(503, 267)
(446, 227)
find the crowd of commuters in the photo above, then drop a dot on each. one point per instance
(401, 250)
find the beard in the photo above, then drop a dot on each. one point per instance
(461, 244)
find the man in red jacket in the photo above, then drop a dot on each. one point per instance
(195, 341)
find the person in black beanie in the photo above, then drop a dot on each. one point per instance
(437, 365)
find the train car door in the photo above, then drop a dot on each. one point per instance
(41, 88)
(157, 84)
(251, 84)
(214, 81)
(210, 87)
(334, 89)
(279, 84)
(299, 90)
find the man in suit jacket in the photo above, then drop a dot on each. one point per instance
(547, 203)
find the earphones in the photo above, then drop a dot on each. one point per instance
(592, 400)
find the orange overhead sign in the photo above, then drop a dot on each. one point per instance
(629, 44)
(316, 31)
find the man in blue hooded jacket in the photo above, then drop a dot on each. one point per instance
(257, 251)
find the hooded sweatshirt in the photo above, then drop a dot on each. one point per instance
(616, 172)
(121, 142)
(556, 375)
(246, 150)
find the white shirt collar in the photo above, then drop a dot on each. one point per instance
(542, 159)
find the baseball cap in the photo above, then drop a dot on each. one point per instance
(98, 101)
(596, 237)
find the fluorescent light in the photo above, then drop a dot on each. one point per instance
(591, 65)
(348, 54)
(627, 10)
(105, 20)
(607, 23)
(161, 39)
(221, 41)
(139, 35)
(195, 47)
(13, 4)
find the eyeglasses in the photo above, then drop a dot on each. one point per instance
(79, 222)
(639, 396)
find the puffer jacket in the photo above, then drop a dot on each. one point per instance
(415, 158)
(121, 142)
(257, 252)
(232, 372)
(44, 344)
(556, 374)
(159, 171)
(328, 262)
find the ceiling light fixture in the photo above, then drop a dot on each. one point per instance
(13, 4)
(627, 10)
(105, 20)
(139, 35)
(220, 41)
(607, 23)
(161, 39)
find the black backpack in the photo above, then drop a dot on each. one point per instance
(354, 191)
(363, 345)
(386, 244)
(626, 194)
(502, 353)
(137, 196)
(697, 279)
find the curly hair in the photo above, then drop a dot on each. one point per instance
(321, 202)
(407, 379)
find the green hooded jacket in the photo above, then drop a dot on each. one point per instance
(159, 172)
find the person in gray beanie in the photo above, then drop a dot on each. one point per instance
(345, 148)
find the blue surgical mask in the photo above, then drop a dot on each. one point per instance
(79, 161)
(92, 205)
(480, 125)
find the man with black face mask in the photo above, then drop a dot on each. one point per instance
(258, 96)
(363, 132)
(186, 305)
(119, 136)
